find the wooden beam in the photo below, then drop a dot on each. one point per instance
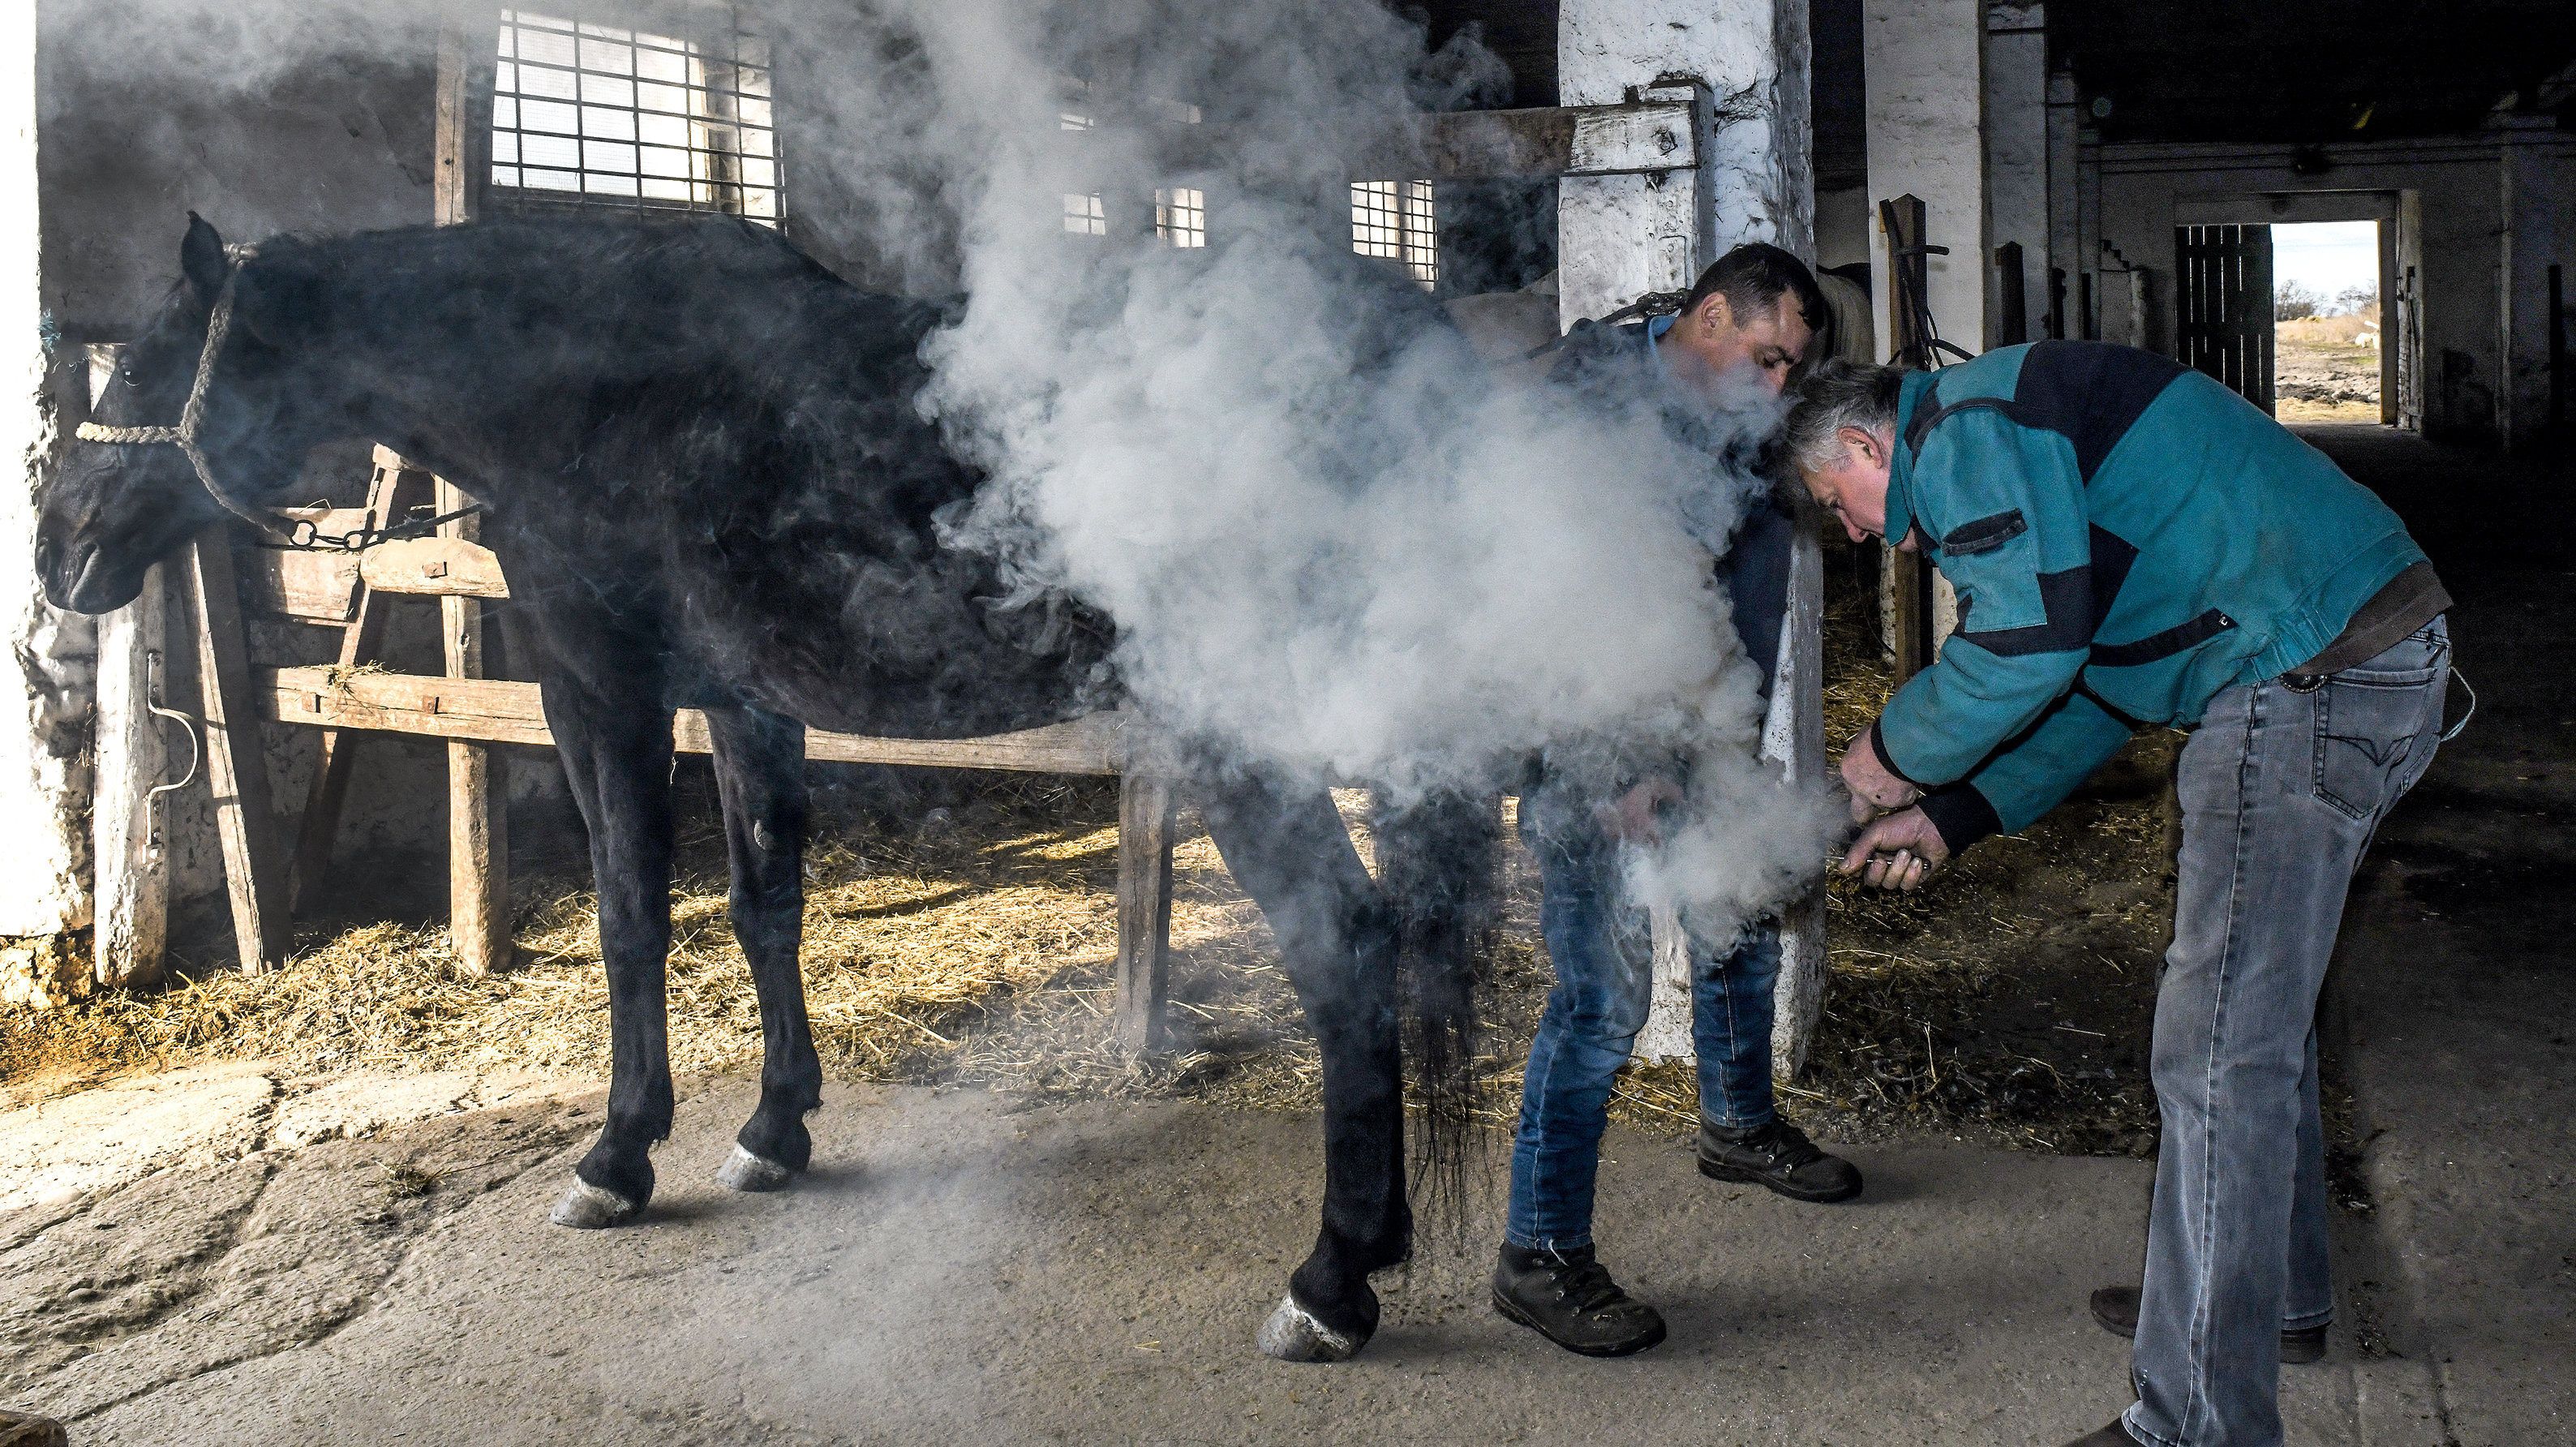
(236, 764)
(1146, 811)
(478, 828)
(440, 567)
(505, 712)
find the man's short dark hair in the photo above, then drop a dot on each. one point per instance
(1753, 277)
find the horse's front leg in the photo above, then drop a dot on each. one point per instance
(616, 750)
(760, 775)
(1337, 940)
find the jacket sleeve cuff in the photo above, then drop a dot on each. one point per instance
(1961, 814)
(1878, 746)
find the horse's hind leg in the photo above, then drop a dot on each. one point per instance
(760, 775)
(1337, 940)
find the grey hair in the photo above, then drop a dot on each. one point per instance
(1837, 395)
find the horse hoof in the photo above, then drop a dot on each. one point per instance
(588, 1208)
(1293, 1334)
(743, 1171)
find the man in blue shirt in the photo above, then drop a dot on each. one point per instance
(1750, 320)
(2134, 544)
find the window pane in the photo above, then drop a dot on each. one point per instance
(546, 47)
(758, 172)
(660, 161)
(662, 130)
(505, 175)
(554, 180)
(753, 112)
(663, 98)
(505, 78)
(606, 56)
(549, 115)
(659, 189)
(607, 156)
(505, 147)
(608, 90)
(661, 65)
(550, 150)
(505, 113)
(600, 184)
(756, 143)
(760, 203)
(552, 84)
(607, 124)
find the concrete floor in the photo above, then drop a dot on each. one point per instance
(958, 1270)
(227, 1256)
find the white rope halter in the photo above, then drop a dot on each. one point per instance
(193, 415)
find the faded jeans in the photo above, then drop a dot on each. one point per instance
(1598, 941)
(2281, 791)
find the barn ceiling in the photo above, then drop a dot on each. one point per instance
(2309, 70)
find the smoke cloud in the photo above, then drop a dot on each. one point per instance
(1332, 542)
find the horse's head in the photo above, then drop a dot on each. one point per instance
(112, 509)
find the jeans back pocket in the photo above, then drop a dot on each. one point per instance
(2367, 729)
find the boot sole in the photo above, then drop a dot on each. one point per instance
(2294, 1352)
(1503, 1305)
(1719, 1171)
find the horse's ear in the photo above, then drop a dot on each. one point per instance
(202, 260)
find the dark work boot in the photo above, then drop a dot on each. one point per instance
(2116, 1307)
(1777, 1155)
(2115, 1435)
(1569, 1298)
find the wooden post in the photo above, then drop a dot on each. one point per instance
(1146, 810)
(236, 764)
(1907, 583)
(130, 892)
(478, 836)
(396, 488)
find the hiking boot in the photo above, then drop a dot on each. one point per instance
(1569, 1298)
(2116, 1307)
(1777, 1155)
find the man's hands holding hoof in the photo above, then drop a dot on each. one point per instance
(1898, 851)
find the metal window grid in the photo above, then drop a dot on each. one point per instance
(1180, 216)
(1398, 220)
(1083, 215)
(608, 114)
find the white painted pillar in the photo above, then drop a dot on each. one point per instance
(1926, 73)
(44, 715)
(1744, 67)
(2017, 192)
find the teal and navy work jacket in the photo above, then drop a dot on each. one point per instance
(2127, 538)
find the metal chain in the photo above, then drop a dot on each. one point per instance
(307, 538)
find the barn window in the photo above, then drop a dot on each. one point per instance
(1083, 215)
(602, 113)
(1398, 220)
(1180, 216)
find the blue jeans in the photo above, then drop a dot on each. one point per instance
(1604, 962)
(2281, 791)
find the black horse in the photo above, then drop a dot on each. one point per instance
(710, 483)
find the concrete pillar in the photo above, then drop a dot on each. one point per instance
(1744, 67)
(2017, 175)
(44, 738)
(1619, 236)
(2536, 167)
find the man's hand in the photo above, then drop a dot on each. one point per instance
(1632, 816)
(1874, 787)
(1897, 852)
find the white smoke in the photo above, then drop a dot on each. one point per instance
(1378, 569)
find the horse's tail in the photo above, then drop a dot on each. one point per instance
(1438, 861)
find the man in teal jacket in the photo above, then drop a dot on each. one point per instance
(2133, 544)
